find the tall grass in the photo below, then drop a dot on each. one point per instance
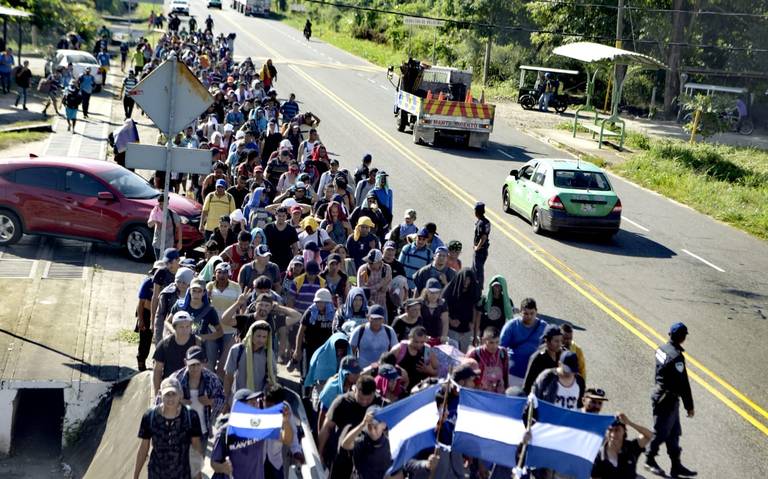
(727, 183)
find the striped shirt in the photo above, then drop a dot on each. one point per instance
(129, 84)
(289, 109)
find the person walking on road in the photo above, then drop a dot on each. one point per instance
(54, 85)
(170, 429)
(671, 386)
(6, 67)
(129, 83)
(86, 81)
(123, 55)
(23, 78)
(482, 232)
(72, 99)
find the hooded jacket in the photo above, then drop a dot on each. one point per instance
(324, 362)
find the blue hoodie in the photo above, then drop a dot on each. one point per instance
(346, 312)
(324, 363)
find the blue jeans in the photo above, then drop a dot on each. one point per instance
(544, 100)
(5, 81)
(22, 95)
(214, 350)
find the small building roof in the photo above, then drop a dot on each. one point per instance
(12, 12)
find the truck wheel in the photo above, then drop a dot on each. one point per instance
(527, 102)
(402, 120)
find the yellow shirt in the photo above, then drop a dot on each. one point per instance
(216, 207)
(580, 358)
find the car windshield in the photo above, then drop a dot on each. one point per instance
(581, 180)
(81, 59)
(129, 184)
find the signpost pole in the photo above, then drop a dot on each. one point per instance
(168, 146)
(434, 43)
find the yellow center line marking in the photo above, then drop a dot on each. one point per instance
(548, 260)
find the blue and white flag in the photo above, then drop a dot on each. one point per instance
(489, 426)
(411, 423)
(252, 423)
(566, 441)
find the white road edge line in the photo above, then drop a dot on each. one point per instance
(714, 266)
(506, 154)
(637, 225)
(383, 88)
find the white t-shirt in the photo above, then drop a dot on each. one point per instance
(321, 234)
(222, 300)
(567, 397)
(198, 407)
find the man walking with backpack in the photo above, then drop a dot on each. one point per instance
(23, 77)
(170, 429)
(372, 339)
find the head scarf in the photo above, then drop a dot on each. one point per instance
(248, 345)
(342, 214)
(454, 294)
(347, 311)
(254, 202)
(324, 363)
(309, 221)
(126, 134)
(209, 269)
(333, 388)
(508, 313)
(362, 221)
(260, 233)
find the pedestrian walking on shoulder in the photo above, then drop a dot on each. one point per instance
(6, 66)
(671, 386)
(481, 243)
(129, 83)
(23, 78)
(72, 99)
(53, 85)
(123, 55)
(87, 81)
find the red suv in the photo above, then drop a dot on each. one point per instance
(85, 199)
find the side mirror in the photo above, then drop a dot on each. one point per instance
(513, 173)
(106, 196)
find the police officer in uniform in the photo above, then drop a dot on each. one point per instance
(671, 386)
(482, 232)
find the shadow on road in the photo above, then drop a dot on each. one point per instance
(624, 243)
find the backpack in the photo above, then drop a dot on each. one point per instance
(404, 347)
(360, 339)
(44, 86)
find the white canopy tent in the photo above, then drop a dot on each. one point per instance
(604, 56)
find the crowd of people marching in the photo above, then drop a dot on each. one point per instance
(308, 264)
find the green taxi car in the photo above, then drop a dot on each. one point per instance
(563, 195)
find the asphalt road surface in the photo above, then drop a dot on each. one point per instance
(667, 264)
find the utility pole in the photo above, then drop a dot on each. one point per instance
(618, 43)
(672, 80)
(487, 56)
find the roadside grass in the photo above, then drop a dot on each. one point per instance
(127, 336)
(10, 139)
(378, 54)
(727, 183)
(140, 10)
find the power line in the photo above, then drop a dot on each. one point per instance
(520, 28)
(656, 10)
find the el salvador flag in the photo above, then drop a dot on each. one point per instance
(566, 441)
(489, 426)
(411, 423)
(252, 423)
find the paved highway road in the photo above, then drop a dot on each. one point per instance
(667, 264)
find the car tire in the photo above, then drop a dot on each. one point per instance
(536, 221)
(527, 102)
(506, 204)
(138, 244)
(11, 229)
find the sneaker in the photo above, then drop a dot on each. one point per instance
(653, 467)
(678, 470)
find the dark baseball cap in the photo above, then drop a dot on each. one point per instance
(552, 331)
(313, 267)
(350, 364)
(678, 329)
(243, 395)
(195, 355)
(377, 310)
(570, 362)
(595, 393)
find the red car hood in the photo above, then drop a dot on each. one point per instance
(181, 205)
